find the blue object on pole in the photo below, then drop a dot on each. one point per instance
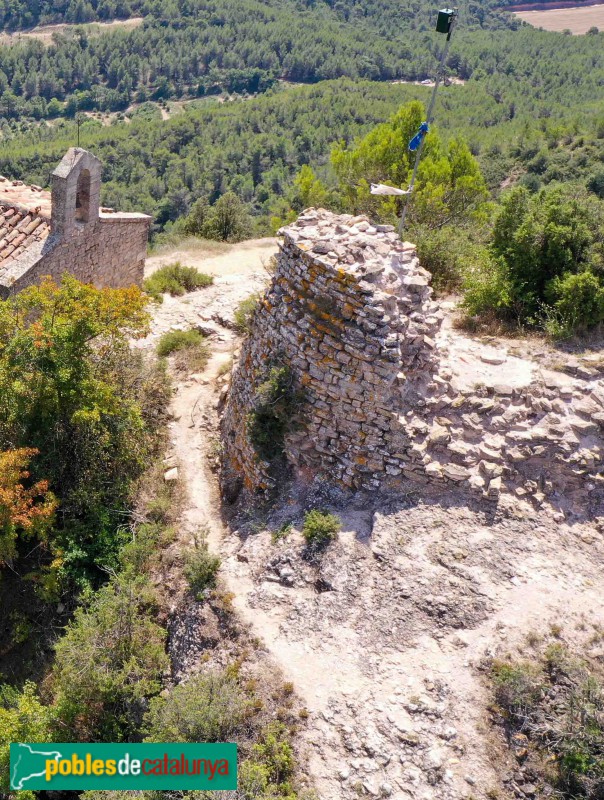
(417, 139)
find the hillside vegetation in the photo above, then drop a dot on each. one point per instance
(86, 522)
(194, 49)
(231, 170)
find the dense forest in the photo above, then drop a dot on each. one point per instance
(20, 14)
(256, 147)
(237, 45)
(245, 46)
(193, 49)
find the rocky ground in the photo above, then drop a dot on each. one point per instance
(387, 635)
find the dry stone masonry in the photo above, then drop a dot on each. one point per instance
(350, 311)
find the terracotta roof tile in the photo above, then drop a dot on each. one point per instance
(20, 229)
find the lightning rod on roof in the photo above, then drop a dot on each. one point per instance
(445, 23)
(78, 121)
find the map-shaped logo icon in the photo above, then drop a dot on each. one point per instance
(29, 763)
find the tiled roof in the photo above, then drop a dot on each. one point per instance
(20, 229)
(17, 193)
(25, 222)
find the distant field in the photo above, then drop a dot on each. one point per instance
(45, 32)
(577, 20)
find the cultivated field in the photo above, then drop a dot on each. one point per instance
(577, 20)
(44, 33)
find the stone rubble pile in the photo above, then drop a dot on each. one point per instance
(350, 311)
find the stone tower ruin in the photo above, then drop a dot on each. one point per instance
(350, 310)
(350, 313)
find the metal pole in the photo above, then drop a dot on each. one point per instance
(439, 76)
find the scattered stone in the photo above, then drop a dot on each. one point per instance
(455, 473)
(439, 435)
(493, 357)
(171, 475)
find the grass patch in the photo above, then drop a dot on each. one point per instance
(244, 313)
(175, 279)
(225, 368)
(320, 528)
(209, 707)
(282, 533)
(189, 348)
(557, 702)
(178, 340)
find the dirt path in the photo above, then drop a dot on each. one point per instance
(217, 258)
(193, 409)
(239, 272)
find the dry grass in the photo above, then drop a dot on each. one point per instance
(168, 242)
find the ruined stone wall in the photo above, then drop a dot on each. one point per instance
(349, 310)
(110, 252)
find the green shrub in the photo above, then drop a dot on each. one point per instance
(539, 164)
(276, 402)
(175, 279)
(531, 182)
(109, 662)
(577, 300)
(558, 703)
(23, 718)
(282, 533)
(160, 508)
(228, 220)
(143, 549)
(207, 708)
(73, 389)
(545, 259)
(518, 687)
(448, 255)
(595, 183)
(320, 528)
(540, 238)
(189, 348)
(244, 313)
(172, 341)
(201, 568)
(274, 753)
(486, 288)
(194, 224)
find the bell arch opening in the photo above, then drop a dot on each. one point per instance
(83, 197)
